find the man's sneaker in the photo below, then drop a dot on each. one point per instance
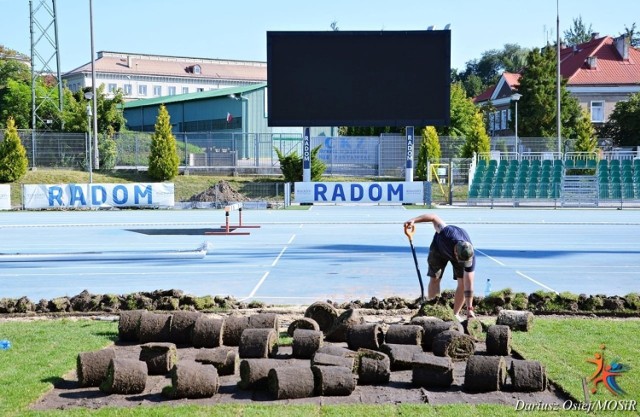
(460, 318)
(471, 314)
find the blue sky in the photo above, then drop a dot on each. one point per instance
(236, 29)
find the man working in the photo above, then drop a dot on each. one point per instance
(450, 244)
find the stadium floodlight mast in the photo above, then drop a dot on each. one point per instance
(515, 97)
(89, 95)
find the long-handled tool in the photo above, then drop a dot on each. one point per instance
(409, 231)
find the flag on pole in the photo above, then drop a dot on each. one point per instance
(229, 117)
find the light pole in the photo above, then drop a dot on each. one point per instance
(515, 97)
(89, 95)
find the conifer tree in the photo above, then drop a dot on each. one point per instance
(13, 156)
(429, 152)
(163, 155)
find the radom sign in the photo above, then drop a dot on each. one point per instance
(359, 192)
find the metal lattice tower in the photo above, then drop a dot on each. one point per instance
(46, 110)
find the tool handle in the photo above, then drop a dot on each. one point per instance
(409, 231)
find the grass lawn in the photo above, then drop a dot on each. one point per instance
(44, 350)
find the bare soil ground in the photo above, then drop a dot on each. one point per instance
(66, 393)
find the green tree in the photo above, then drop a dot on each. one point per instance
(633, 34)
(537, 107)
(623, 126)
(163, 155)
(110, 117)
(13, 156)
(462, 111)
(477, 141)
(578, 33)
(585, 134)
(291, 165)
(429, 152)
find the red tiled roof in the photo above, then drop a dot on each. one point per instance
(177, 66)
(511, 78)
(610, 68)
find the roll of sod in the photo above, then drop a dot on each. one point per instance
(458, 346)
(303, 323)
(473, 327)
(373, 367)
(420, 320)
(224, 359)
(125, 376)
(337, 351)
(182, 324)
(129, 325)
(291, 382)
(485, 373)
(404, 334)
(325, 359)
(499, 340)
(92, 367)
(233, 328)
(527, 376)
(431, 371)
(306, 343)
(264, 321)
(401, 356)
(155, 327)
(323, 313)
(258, 343)
(366, 336)
(333, 380)
(338, 332)
(433, 328)
(207, 332)
(160, 357)
(254, 372)
(192, 380)
(516, 320)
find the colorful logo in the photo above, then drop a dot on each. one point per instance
(607, 373)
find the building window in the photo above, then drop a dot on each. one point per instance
(197, 69)
(503, 119)
(142, 89)
(496, 119)
(491, 123)
(157, 90)
(597, 111)
(185, 90)
(111, 88)
(127, 89)
(172, 91)
(199, 89)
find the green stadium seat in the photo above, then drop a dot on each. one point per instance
(518, 190)
(531, 190)
(547, 163)
(496, 191)
(507, 190)
(603, 191)
(568, 164)
(555, 190)
(627, 191)
(544, 190)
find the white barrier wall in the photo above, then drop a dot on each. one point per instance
(359, 192)
(43, 196)
(5, 197)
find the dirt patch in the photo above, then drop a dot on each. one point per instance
(221, 193)
(67, 393)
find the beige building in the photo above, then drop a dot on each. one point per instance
(142, 76)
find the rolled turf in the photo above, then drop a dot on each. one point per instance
(254, 372)
(527, 376)
(306, 343)
(516, 320)
(303, 323)
(401, 356)
(291, 382)
(499, 340)
(160, 357)
(485, 373)
(155, 327)
(92, 367)
(258, 343)
(431, 371)
(233, 328)
(365, 336)
(223, 358)
(192, 380)
(333, 380)
(325, 359)
(125, 376)
(323, 313)
(338, 332)
(458, 346)
(373, 367)
(404, 334)
(207, 332)
(129, 325)
(182, 323)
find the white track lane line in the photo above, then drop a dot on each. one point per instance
(266, 274)
(536, 282)
(519, 273)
